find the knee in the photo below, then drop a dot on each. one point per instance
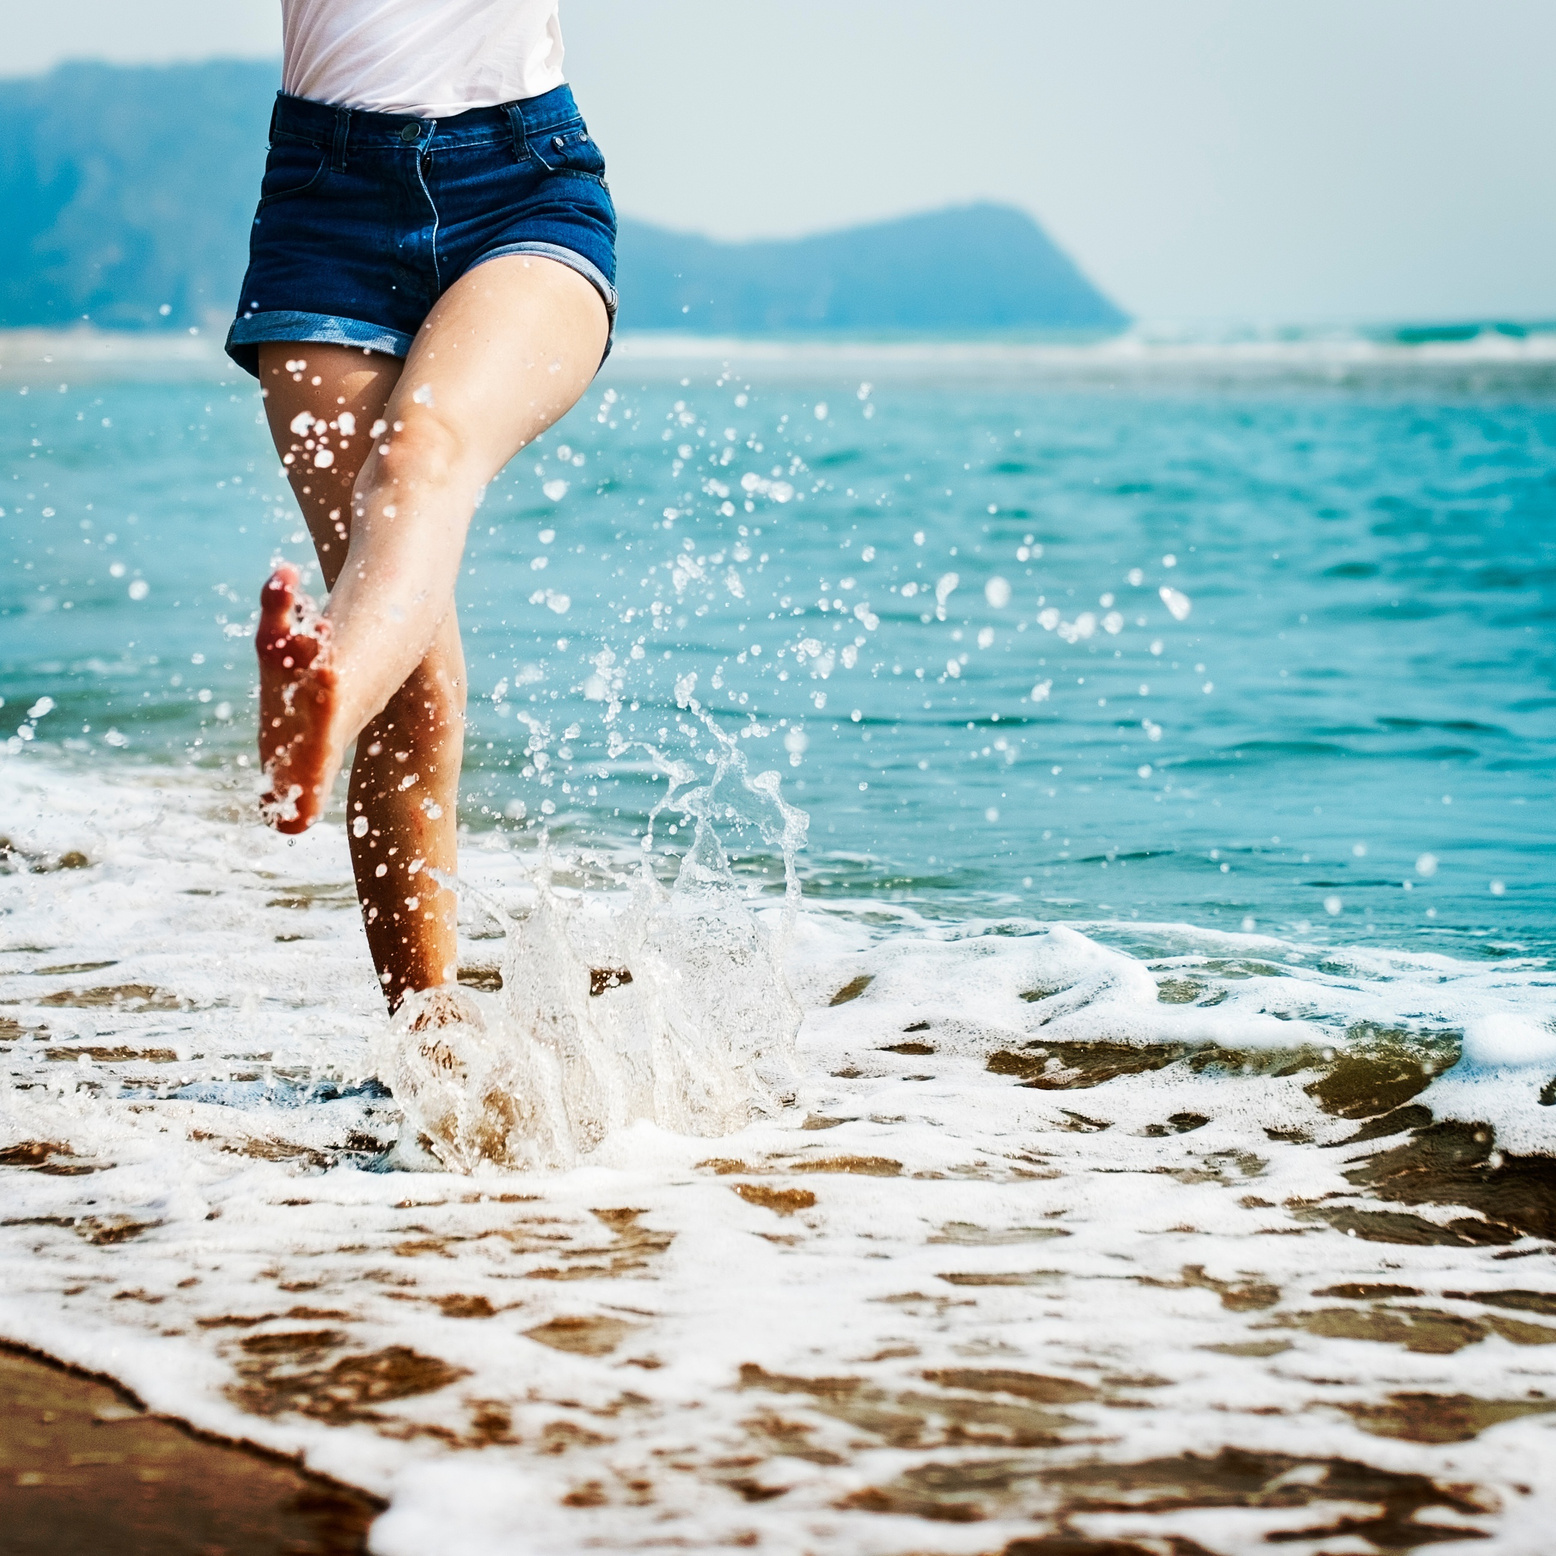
(422, 449)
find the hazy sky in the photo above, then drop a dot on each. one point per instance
(1264, 160)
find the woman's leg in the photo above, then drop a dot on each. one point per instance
(506, 352)
(402, 805)
(410, 920)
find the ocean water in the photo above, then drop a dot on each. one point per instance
(936, 606)
(1077, 821)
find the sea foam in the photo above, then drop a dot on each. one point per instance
(1144, 1233)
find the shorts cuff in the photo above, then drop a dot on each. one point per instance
(590, 271)
(249, 331)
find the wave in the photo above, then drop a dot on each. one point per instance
(165, 878)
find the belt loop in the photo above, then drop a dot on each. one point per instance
(275, 117)
(342, 133)
(515, 112)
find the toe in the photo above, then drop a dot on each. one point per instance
(276, 601)
(291, 632)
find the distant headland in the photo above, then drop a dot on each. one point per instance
(129, 191)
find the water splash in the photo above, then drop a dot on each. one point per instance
(667, 1005)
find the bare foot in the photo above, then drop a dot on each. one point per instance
(297, 748)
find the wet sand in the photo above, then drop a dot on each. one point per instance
(87, 1471)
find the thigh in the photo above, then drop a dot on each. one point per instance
(508, 349)
(321, 402)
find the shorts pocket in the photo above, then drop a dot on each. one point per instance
(569, 149)
(291, 169)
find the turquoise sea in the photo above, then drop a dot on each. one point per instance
(928, 587)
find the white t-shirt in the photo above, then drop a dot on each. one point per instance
(431, 58)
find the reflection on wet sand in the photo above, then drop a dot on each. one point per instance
(87, 1469)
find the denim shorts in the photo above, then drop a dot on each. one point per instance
(366, 219)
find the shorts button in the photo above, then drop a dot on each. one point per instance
(410, 132)
(558, 142)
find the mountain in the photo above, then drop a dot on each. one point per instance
(971, 269)
(126, 195)
(126, 190)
